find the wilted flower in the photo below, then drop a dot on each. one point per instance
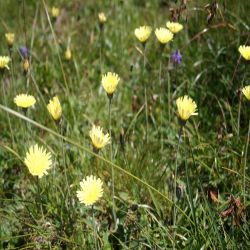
(24, 52)
(98, 138)
(26, 65)
(91, 190)
(68, 54)
(245, 51)
(163, 35)
(110, 82)
(54, 108)
(142, 33)
(24, 100)
(10, 38)
(186, 107)
(176, 57)
(246, 92)
(4, 61)
(38, 161)
(102, 17)
(55, 12)
(174, 27)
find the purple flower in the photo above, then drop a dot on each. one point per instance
(176, 57)
(24, 51)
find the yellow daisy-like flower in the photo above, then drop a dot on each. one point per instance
(102, 17)
(186, 107)
(55, 12)
(24, 100)
(245, 51)
(174, 27)
(54, 108)
(246, 92)
(10, 38)
(98, 138)
(38, 161)
(163, 35)
(110, 82)
(68, 54)
(4, 61)
(91, 190)
(142, 33)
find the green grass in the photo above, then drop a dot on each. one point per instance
(212, 150)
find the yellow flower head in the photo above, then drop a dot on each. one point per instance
(4, 61)
(38, 161)
(10, 38)
(98, 138)
(174, 27)
(24, 100)
(55, 12)
(54, 108)
(110, 82)
(245, 51)
(163, 35)
(246, 92)
(102, 17)
(91, 190)
(68, 54)
(186, 107)
(142, 33)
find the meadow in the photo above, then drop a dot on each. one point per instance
(115, 137)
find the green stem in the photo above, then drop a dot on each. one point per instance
(94, 228)
(145, 90)
(161, 114)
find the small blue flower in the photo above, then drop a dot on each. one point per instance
(24, 51)
(176, 57)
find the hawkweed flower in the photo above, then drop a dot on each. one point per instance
(10, 38)
(176, 57)
(102, 18)
(164, 35)
(246, 92)
(38, 161)
(55, 12)
(24, 51)
(245, 52)
(174, 27)
(4, 61)
(91, 190)
(186, 107)
(110, 82)
(98, 138)
(54, 108)
(142, 33)
(24, 100)
(68, 54)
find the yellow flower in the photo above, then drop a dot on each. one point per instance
(10, 38)
(54, 108)
(38, 161)
(142, 33)
(4, 61)
(102, 17)
(26, 65)
(99, 139)
(91, 190)
(186, 107)
(245, 51)
(174, 27)
(246, 92)
(163, 35)
(55, 12)
(110, 82)
(24, 100)
(68, 54)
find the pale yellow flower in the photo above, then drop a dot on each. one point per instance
(102, 17)
(55, 12)
(246, 92)
(54, 108)
(4, 61)
(24, 100)
(163, 35)
(98, 138)
(110, 82)
(186, 107)
(245, 51)
(10, 38)
(68, 54)
(91, 190)
(38, 161)
(174, 27)
(142, 33)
